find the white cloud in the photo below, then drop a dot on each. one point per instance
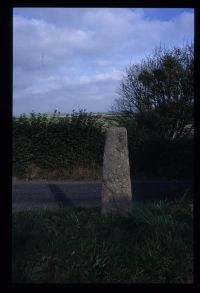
(61, 55)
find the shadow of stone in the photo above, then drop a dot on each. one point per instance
(60, 196)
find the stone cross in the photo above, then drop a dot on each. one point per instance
(116, 186)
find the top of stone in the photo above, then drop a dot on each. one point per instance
(118, 129)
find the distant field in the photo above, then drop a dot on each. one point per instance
(104, 119)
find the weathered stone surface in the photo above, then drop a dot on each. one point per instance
(116, 185)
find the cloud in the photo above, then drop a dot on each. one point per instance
(66, 58)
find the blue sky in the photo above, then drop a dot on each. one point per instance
(74, 58)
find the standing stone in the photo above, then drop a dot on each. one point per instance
(116, 186)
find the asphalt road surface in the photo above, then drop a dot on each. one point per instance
(55, 194)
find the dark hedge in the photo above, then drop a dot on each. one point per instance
(56, 142)
(68, 143)
(162, 159)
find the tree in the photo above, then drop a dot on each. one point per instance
(158, 93)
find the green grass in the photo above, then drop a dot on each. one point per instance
(77, 245)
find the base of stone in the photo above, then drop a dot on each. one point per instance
(117, 206)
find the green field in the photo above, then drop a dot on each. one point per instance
(77, 245)
(107, 120)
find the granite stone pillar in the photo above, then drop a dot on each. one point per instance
(116, 186)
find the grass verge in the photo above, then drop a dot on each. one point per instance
(78, 245)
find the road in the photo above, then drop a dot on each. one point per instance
(55, 194)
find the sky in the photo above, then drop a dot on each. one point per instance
(75, 58)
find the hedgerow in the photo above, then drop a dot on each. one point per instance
(56, 142)
(71, 147)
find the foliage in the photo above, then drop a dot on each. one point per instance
(56, 142)
(162, 159)
(71, 147)
(158, 94)
(79, 245)
(153, 157)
